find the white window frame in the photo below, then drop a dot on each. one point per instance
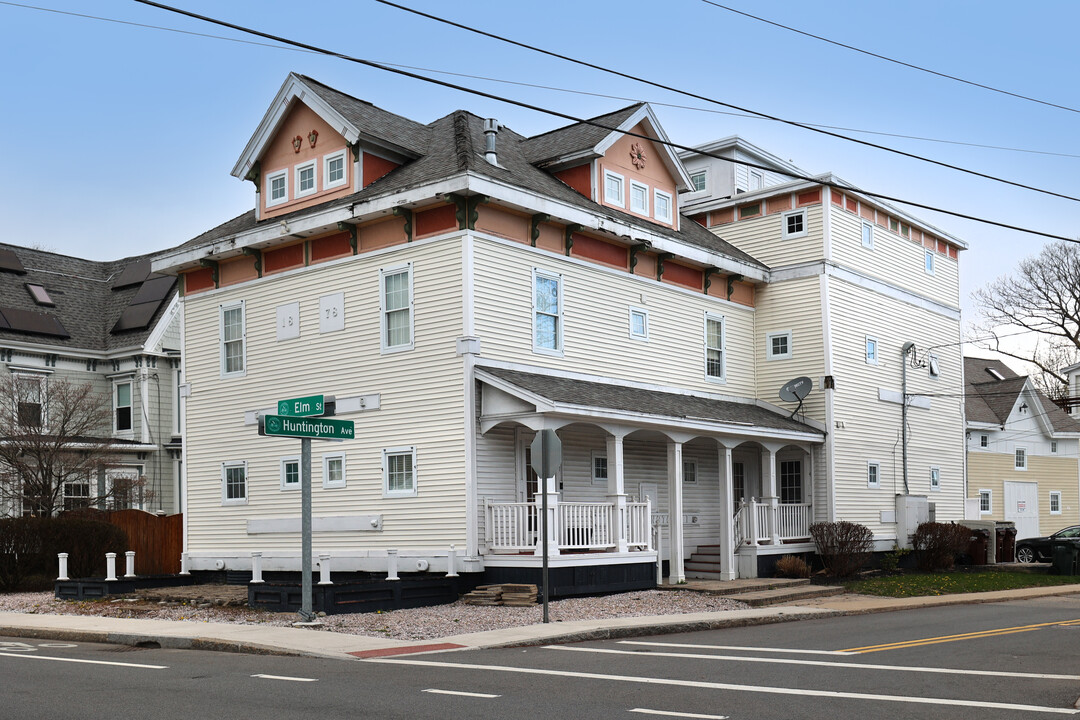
(989, 494)
(225, 467)
(113, 500)
(871, 358)
(722, 377)
(873, 474)
(287, 486)
(327, 458)
(657, 195)
(298, 191)
(798, 234)
(537, 348)
(243, 339)
(1020, 459)
(704, 172)
(619, 201)
(769, 354)
(928, 262)
(1055, 495)
(116, 406)
(329, 158)
(643, 208)
(270, 177)
(868, 236)
(750, 180)
(693, 466)
(596, 479)
(42, 381)
(394, 451)
(384, 338)
(933, 365)
(644, 314)
(935, 479)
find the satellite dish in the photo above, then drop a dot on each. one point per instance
(797, 389)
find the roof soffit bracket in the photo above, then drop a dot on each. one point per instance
(660, 258)
(254, 175)
(355, 148)
(731, 280)
(569, 237)
(634, 250)
(257, 254)
(709, 272)
(404, 212)
(467, 209)
(213, 265)
(534, 230)
(351, 229)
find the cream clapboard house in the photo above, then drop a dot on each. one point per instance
(459, 287)
(113, 326)
(1023, 457)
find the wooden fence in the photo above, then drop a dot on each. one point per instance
(156, 539)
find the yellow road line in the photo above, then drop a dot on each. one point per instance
(955, 638)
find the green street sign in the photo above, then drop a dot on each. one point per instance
(317, 428)
(309, 406)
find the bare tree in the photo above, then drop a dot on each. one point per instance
(1041, 297)
(54, 440)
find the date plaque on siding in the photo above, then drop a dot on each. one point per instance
(318, 428)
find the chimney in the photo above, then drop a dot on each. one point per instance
(491, 129)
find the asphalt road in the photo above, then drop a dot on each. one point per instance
(992, 661)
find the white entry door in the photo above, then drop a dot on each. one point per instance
(1022, 508)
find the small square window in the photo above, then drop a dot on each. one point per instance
(795, 224)
(599, 469)
(334, 170)
(928, 262)
(305, 179)
(778, 345)
(290, 473)
(1020, 463)
(986, 502)
(277, 188)
(871, 351)
(613, 189)
(697, 180)
(689, 471)
(399, 472)
(662, 206)
(868, 236)
(639, 323)
(935, 478)
(984, 441)
(1055, 502)
(639, 198)
(873, 475)
(333, 469)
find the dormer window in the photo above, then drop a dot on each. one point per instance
(639, 198)
(40, 295)
(277, 188)
(305, 179)
(662, 206)
(697, 180)
(613, 189)
(334, 170)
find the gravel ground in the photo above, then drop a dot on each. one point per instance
(415, 624)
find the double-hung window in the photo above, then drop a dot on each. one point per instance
(30, 403)
(662, 206)
(234, 483)
(277, 188)
(689, 471)
(547, 313)
(333, 468)
(305, 179)
(399, 472)
(334, 170)
(639, 198)
(233, 340)
(397, 308)
(122, 406)
(76, 493)
(1055, 502)
(791, 489)
(1020, 461)
(599, 468)
(714, 347)
(868, 236)
(873, 474)
(986, 502)
(613, 189)
(928, 262)
(935, 479)
(639, 323)
(871, 351)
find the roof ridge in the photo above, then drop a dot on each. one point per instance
(636, 105)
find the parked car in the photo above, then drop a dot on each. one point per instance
(1041, 549)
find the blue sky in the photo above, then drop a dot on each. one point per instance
(119, 139)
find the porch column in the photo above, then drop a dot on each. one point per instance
(727, 521)
(769, 493)
(616, 489)
(676, 572)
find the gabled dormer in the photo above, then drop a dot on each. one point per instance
(713, 178)
(316, 145)
(632, 174)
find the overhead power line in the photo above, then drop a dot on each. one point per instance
(539, 86)
(594, 123)
(892, 60)
(704, 98)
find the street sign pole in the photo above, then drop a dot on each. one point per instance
(546, 452)
(544, 539)
(306, 615)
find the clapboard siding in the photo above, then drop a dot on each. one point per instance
(791, 306)
(596, 322)
(991, 470)
(762, 238)
(425, 382)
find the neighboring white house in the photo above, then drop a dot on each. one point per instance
(459, 287)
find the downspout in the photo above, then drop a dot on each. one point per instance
(908, 347)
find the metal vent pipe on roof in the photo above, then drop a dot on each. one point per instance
(491, 129)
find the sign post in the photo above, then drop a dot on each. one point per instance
(304, 418)
(546, 451)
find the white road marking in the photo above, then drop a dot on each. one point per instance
(17, 647)
(763, 689)
(460, 692)
(670, 713)
(821, 663)
(87, 662)
(285, 677)
(56, 645)
(737, 647)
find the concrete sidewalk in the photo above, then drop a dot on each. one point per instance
(315, 643)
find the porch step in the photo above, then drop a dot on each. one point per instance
(710, 582)
(787, 596)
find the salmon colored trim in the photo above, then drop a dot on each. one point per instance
(281, 259)
(742, 293)
(701, 219)
(579, 178)
(435, 221)
(375, 167)
(837, 198)
(781, 203)
(851, 204)
(810, 197)
(752, 210)
(953, 252)
(723, 217)
(866, 212)
(197, 281)
(929, 242)
(382, 233)
(231, 272)
(503, 223)
(677, 274)
(331, 247)
(882, 220)
(646, 265)
(601, 252)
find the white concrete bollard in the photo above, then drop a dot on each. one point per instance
(256, 567)
(129, 557)
(451, 562)
(185, 564)
(324, 569)
(391, 565)
(110, 566)
(63, 557)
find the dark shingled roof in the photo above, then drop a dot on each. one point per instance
(374, 121)
(454, 144)
(651, 402)
(574, 138)
(86, 305)
(990, 400)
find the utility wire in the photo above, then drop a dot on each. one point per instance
(889, 59)
(538, 86)
(717, 102)
(594, 123)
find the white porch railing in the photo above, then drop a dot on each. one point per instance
(515, 527)
(755, 522)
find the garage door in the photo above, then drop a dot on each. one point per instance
(1022, 507)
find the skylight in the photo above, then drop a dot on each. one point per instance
(40, 295)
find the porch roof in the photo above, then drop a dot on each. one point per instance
(569, 394)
